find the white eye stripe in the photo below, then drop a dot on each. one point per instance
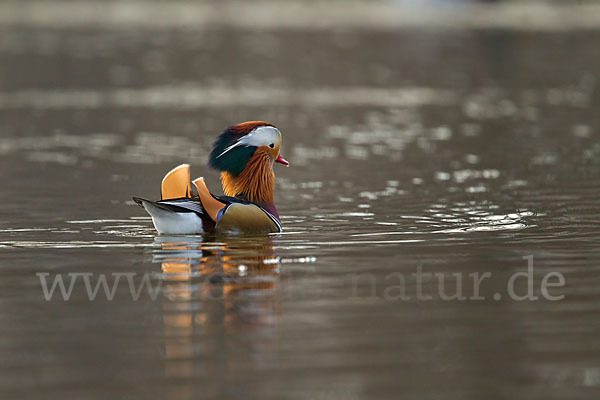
(261, 136)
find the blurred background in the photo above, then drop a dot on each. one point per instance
(459, 136)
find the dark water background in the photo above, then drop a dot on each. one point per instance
(454, 149)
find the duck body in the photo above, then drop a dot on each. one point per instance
(245, 154)
(188, 216)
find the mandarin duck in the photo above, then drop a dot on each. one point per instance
(244, 154)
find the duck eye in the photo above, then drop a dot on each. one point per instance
(272, 145)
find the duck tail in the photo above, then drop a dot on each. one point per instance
(179, 216)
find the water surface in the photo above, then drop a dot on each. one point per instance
(452, 150)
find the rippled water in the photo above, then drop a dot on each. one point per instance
(413, 148)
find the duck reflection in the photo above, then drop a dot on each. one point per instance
(238, 265)
(212, 286)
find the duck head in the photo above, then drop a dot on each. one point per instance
(245, 153)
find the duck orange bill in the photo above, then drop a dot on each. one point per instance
(282, 160)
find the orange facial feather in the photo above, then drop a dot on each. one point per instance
(257, 180)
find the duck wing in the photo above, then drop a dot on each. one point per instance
(177, 216)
